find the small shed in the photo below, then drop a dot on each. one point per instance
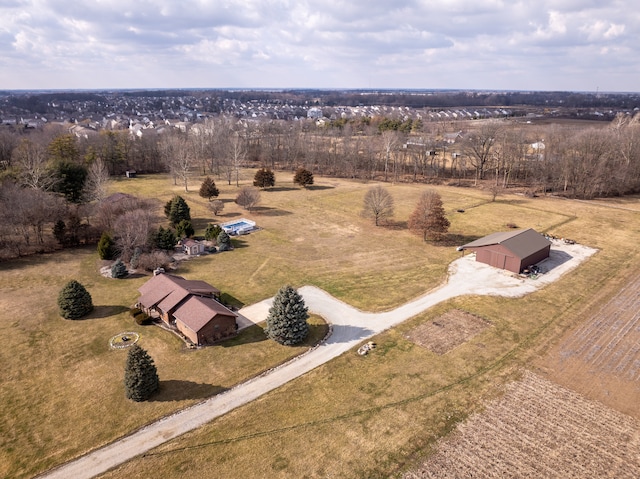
(192, 247)
(511, 250)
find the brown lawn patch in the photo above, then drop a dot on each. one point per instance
(448, 331)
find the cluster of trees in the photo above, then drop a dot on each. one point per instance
(428, 219)
(53, 184)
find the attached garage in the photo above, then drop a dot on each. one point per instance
(511, 250)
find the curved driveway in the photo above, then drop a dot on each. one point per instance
(350, 327)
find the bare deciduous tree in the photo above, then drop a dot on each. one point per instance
(178, 157)
(479, 145)
(248, 198)
(378, 205)
(131, 230)
(32, 159)
(216, 206)
(96, 184)
(390, 141)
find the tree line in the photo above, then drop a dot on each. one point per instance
(52, 183)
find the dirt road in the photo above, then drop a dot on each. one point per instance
(350, 327)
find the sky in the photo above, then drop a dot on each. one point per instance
(545, 45)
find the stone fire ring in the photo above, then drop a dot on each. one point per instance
(124, 340)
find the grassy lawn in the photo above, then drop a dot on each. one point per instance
(353, 417)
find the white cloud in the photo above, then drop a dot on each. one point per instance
(288, 43)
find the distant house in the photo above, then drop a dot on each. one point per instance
(511, 250)
(451, 138)
(191, 306)
(192, 247)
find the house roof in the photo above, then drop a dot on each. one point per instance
(197, 311)
(167, 291)
(521, 243)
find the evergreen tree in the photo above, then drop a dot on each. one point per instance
(105, 246)
(71, 178)
(287, 320)
(140, 375)
(224, 241)
(208, 188)
(135, 258)
(119, 270)
(163, 239)
(303, 177)
(428, 218)
(74, 301)
(178, 210)
(184, 229)
(60, 232)
(264, 178)
(212, 232)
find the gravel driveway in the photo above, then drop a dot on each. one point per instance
(350, 327)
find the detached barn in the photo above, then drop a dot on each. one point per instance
(511, 250)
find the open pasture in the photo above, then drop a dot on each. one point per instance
(354, 417)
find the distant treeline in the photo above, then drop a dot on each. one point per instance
(35, 102)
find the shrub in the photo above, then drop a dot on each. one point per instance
(154, 260)
(264, 178)
(74, 301)
(212, 232)
(134, 312)
(216, 206)
(224, 241)
(106, 246)
(303, 177)
(135, 257)
(142, 319)
(119, 270)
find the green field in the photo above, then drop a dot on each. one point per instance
(369, 416)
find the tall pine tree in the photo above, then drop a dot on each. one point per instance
(74, 301)
(287, 320)
(208, 188)
(177, 210)
(140, 375)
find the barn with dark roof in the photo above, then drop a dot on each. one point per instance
(511, 250)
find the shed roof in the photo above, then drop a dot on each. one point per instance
(522, 243)
(196, 312)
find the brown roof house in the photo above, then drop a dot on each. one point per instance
(511, 250)
(191, 306)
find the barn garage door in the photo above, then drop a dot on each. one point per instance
(498, 260)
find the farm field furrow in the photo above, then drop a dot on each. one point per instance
(601, 358)
(526, 434)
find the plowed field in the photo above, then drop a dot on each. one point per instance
(539, 429)
(601, 358)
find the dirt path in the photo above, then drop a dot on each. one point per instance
(350, 327)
